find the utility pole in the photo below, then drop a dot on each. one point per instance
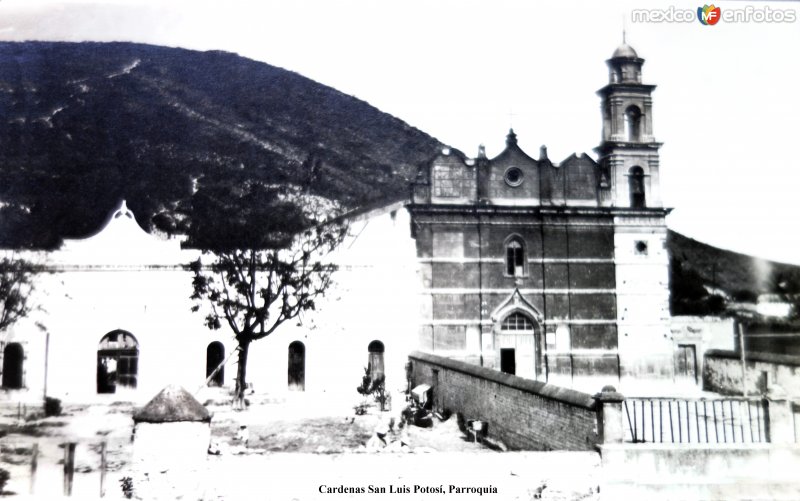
(741, 350)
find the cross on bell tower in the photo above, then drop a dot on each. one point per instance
(628, 152)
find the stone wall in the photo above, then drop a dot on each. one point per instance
(723, 372)
(523, 414)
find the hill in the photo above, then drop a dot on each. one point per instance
(705, 279)
(83, 125)
(86, 124)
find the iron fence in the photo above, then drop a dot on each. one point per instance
(670, 420)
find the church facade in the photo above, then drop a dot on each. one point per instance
(552, 271)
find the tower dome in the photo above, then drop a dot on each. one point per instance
(624, 50)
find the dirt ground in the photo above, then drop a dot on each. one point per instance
(297, 443)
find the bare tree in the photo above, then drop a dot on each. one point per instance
(271, 279)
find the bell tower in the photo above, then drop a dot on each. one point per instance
(629, 163)
(628, 152)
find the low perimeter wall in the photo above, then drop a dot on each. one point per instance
(523, 414)
(722, 372)
(700, 471)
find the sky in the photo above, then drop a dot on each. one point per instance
(727, 106)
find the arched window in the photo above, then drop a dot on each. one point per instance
(633, 121)
(376, 349)
(12, 366)
(297, 366)
(215, 355)
(515, 257)
(636, 187)
(117, 361)
(517, 322)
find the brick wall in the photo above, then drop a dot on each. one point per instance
(523, 414)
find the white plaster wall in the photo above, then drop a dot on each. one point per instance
(645, 345)
(374, 297)
(705, 333)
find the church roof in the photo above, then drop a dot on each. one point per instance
(624, 50)
(172, 404)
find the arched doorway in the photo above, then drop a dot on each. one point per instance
(117, 362)
(12, 366)
(375, 360)
(297, 366)
(516, 341)
(215, 355)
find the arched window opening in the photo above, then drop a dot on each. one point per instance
(297, 366)
(633, 121)
(375, 361)
(515, 258)
(117, 362)
(636, 187)
(517, 322)
(13, 357)
(215, 355)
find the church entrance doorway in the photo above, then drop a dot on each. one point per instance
(508, 361)
(517, 339)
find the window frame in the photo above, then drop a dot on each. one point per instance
(515, 257)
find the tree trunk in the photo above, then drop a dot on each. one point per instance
(241, 374)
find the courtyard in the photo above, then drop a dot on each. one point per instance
(300, 446)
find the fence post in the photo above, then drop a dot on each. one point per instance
(69, 467)
(34, 466)
(778, 420)
(103, 467)
(610, 427)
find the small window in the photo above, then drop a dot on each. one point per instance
(641, 247)
(513, 176)
(515, 258)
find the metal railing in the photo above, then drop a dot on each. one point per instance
(671, 420)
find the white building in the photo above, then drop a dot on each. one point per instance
(114, 317)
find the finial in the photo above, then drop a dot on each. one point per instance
(623, 29)
(481, 151)
(511, 138)
(123, 210)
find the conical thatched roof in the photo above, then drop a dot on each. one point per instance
(172, 404)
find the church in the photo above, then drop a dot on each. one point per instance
(552, 271)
